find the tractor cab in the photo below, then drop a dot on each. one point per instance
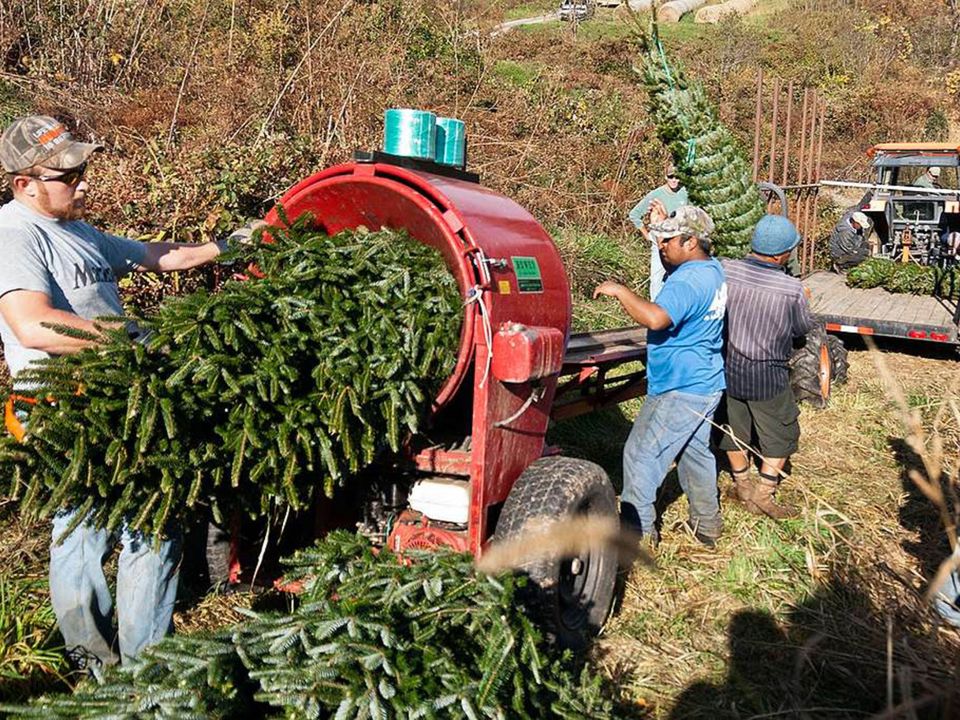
(915, 206)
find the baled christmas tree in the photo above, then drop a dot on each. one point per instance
(262, 392)
(710, 162)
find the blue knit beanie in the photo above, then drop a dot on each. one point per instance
(773, 235)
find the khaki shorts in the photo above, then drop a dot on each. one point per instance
(771, 425)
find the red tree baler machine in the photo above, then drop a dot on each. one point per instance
(481, 469)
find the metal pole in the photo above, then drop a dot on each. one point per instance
(773, 129)
(811, 222)
(816, 175)
(803, 134)
(786, 142)
(756, 126)
(800, 177)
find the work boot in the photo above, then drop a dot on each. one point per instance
(743, 487)
(763, 500)
(708, 540)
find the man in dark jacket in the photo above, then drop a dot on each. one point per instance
(766, 310)
(848, 241)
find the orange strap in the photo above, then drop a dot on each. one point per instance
(10, 419)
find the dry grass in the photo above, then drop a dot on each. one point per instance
(823, 616)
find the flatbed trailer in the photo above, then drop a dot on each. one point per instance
(877, 312)
(588, 382)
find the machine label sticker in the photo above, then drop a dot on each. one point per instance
(529, 279)
(504, 287)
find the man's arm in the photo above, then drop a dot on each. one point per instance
(803, 321)
(646, 313)
(166, 257)
(26, 311)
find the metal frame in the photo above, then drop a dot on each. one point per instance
(795, 164)
(588, 364)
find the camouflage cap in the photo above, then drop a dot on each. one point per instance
(687, 220)
(41, 140)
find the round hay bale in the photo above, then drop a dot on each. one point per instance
(716, 13)
(675, 9)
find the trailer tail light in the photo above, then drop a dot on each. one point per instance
(859, 329)
(942, 337)
(917, 334)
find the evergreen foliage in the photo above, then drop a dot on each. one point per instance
(296, 378)
(709, 160)
(898, 277)
(372, 637)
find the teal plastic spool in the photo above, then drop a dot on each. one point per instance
(451, 142)
(410, 133)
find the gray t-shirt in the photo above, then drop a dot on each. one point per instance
(73, 263)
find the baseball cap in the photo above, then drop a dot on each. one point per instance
(687, 220)
(774, 234)
(41, 140)
(934, 170)
(860, 219)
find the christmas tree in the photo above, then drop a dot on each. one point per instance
(371, 637)
(911, 278)
(259, 393)
(709, 160)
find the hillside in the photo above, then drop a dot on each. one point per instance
(210, 110)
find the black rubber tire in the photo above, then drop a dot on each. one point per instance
(218, 555)
(806, 368)
(839, 362)
(570, 597)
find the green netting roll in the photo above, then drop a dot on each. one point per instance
(451, 142)
(410, 133)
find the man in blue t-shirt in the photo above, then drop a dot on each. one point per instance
(684, 378)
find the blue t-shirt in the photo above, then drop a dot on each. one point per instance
(687, 355)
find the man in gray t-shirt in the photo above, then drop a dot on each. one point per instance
(59, 270)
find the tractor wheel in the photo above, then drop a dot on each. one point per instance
(815, 367)
(570, 597)
(839, 363)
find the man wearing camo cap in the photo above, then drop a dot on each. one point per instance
(58, 270)
(684, 379)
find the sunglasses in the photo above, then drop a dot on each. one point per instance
(70, 177)
(672, 177)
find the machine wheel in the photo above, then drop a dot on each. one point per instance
(815, 367)
(571, 597)
(839, 363)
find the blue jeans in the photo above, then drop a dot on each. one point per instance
(669, 425)
(946, 601)
(146, 589)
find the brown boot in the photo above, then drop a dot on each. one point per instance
(743, 487)
(763, 502)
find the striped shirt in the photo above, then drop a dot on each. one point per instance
(766, 310)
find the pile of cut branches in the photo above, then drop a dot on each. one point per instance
(910, 278)
(371, 638)
(256, 394)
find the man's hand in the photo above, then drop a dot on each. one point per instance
(241, 236)
(658, 212)
(608, 288)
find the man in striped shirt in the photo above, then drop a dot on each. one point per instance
(766, 310)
